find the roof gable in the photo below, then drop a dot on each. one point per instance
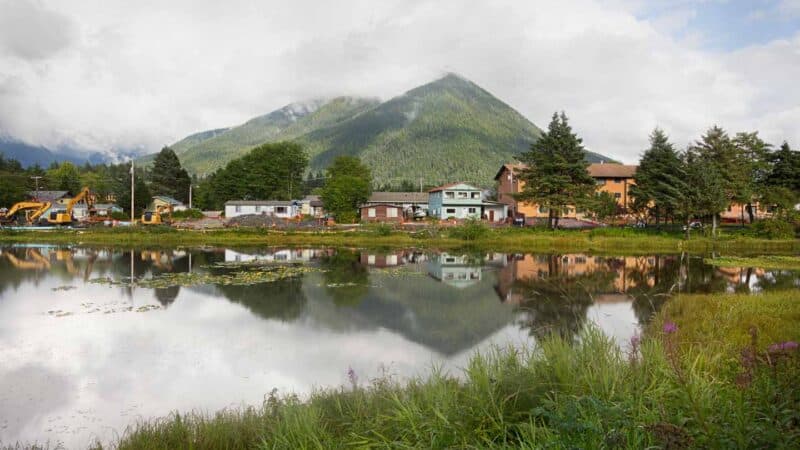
(457, 186)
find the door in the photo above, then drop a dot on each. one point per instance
(491, 215)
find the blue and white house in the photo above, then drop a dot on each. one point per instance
(463, 201)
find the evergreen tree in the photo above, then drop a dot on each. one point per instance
(557, 176)
(167, 177)
(721, 160)
(142, 195)
(705, 192)
(754, 162)
(347, 186)
(785, 169)
(660, 180)
(781, 186)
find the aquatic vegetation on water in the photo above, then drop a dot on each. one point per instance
(763, 262)
(238, 278)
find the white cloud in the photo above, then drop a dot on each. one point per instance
(145, 74)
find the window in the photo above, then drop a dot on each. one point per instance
(472, 210)
(371, 212)
(391, 260)
(449, 194)
(258, 208)
(391, 212)
(617, 180)
(280, 210)
(543, 209)
(237, 208)
(617, 195)
(463, 195)
(450, 211)
(730, 208)
(476, 195)
(371, 259)
(601, 181)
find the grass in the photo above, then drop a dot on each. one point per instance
(668, 391)
(628, 241)
(764, 262)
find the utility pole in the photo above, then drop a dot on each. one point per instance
(190, 196)
(36, 179)
(132, 196)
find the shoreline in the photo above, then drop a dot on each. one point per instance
(629, 242)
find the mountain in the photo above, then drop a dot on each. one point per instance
(287, 123)
(30, 155)
(446, 130)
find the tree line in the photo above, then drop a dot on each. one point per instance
(107, 181)
(700, 181)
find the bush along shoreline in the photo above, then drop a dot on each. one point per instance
(672, 387)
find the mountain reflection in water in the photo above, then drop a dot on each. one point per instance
(86, 351)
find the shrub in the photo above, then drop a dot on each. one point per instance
(380, 229)
(188, 214)
(119, 215)
(773, 229)
(470, 230)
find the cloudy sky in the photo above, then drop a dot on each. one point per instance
(102, 75)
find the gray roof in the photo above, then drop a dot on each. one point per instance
(398, 197)
(313, 200)
(168, 199)
(258, 203)
(48, 196)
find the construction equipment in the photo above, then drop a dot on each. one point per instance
(64, 216)
(156, 217)
(33, 211)
(34, 260)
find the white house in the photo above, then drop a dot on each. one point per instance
(277, 208)
(463, 201)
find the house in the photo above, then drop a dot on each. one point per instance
(279, 208)
(311, 205)
(58, 201)
(382, 212)
(106, 209)
(616, 179)
(414, 204)
(463, 201)
(455, 270)
(50, 196)
(164, 200)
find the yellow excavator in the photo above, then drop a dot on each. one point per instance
(33, 261)
(157, 217)
(33, 210)
(64, 216)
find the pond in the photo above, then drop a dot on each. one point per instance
(94, 339)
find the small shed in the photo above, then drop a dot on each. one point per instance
(382, 212)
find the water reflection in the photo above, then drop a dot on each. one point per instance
(208, 346)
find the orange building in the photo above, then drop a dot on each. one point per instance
(615, 179)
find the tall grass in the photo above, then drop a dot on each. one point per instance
(477, 235)
(589, 394)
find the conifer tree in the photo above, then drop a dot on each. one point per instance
(660, 180)
(557, 176)
(723, 177)
(168, 177)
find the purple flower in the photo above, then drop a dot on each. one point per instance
(670, 327)
(635, 340)
(783, 346)
(351, 375)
